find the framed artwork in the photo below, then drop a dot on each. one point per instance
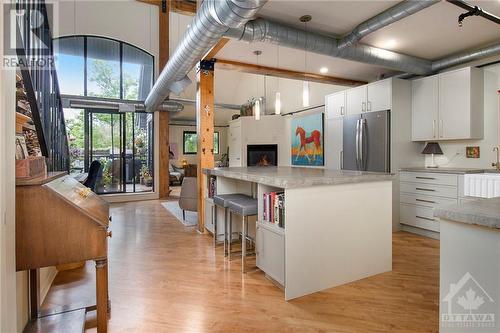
(21, 148)
(472, 152)
(307, 140)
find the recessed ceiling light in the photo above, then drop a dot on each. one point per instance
(323, 70)
(390, 43)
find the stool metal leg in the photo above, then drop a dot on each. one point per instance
(230, 234)
(225, 232)
(244, 223)
(214, 220)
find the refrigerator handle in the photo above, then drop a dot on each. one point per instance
(357, 144)
(361, 144)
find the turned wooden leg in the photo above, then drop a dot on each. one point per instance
(102, 295)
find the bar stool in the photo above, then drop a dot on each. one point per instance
(222, 200)
(244, 207)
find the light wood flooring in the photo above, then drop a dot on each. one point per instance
(165, 277)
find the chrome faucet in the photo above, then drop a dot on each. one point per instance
(497, 164)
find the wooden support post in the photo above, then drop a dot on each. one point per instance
(101, 268)
(205, 130)
(163, 119)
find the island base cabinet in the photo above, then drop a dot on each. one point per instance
(270, 250)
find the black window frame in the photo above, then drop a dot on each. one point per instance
(121, 44)
(184, 133)
(216, 133)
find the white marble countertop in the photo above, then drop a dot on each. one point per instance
(294, 177)
(482, 212)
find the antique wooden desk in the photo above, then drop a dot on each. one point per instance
(59, 221)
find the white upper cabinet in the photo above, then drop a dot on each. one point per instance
(335, 105)
(425, 108)
(461, 104)
(448, 106)
(379, 96)
(375, 96)
(355, 100)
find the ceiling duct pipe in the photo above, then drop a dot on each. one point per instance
(211, 21)
(465, 57)
(262, 30)
(387, 17)
(73, 101)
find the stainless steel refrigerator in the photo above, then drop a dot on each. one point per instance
(366, 142)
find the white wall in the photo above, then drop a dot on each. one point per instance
(8, 295)
(176, 136)
(454, 151)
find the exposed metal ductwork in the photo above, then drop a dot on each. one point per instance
(387, 17)
(262, 30)
(466, 57)
(116, 104)
(212, 20)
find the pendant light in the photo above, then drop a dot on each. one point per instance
(277, 98)
(305, 84)
(256, 106)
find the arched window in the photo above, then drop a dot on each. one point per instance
(103, 67)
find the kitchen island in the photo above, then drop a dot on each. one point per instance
(469, 265)
(337, 224)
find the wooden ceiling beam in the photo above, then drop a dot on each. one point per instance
(213, 52)
(284, 73)
(182, 7)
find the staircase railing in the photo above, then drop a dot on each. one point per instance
(35, 51)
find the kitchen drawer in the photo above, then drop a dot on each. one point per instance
(428, 189)
(426, 200)
(420, 217)
(429, 178)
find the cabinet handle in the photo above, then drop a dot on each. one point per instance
(341, 160)
(369, 106)
(441, 130)
(363, 106)
(422, 200)
(424, 189)
(341, 110)
(425, 218)
(434, 128)
(430, 178)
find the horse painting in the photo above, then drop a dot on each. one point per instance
(307, 140)
(314, 138)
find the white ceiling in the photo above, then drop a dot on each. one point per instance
(431, 33)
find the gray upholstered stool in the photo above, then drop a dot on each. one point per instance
(222, 200)
(244, 207)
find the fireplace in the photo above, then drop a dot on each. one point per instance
(262, 155)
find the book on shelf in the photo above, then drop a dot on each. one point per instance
(274, 208)
(212, 186)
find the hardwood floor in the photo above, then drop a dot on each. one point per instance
(165, 277)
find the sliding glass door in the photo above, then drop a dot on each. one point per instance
(123, 144)
(106, 144)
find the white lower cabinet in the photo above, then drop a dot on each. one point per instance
(421, 193)
(270, 249)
